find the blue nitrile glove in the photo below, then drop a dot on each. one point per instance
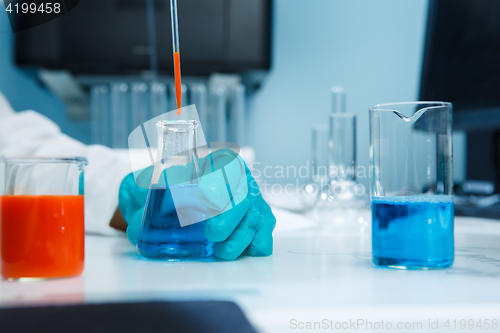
(245, 228)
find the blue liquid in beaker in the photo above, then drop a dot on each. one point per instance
(162, 236)
(413, 232)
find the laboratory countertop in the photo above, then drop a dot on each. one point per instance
(312, 276)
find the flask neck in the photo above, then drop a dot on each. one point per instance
(176, 147)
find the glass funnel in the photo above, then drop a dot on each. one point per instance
(411, 185)
(163, 235)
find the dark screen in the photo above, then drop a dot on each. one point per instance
(462, 54)
(110, 37)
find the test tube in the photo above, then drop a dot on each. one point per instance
(198, 95)
(342, 162)
(158, 99)
(319, 166)
(320, 140)
(172, 101)
(100, 115)
(237, 115)
(218, 130)
(342, 137)
(120, 114)
(138, 104)
(339, 103)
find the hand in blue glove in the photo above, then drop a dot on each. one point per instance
(245, 228)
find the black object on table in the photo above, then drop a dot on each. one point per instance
(492, 212)
(150, 317)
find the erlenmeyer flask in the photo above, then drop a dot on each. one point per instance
(161, 235)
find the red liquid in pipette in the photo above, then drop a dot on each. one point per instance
(178, 87)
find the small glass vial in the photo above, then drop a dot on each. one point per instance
(162, 237)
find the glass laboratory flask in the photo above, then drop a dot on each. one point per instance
(42, 232)
(411, 185)
(341, 204)
(319, 167)
(162, 236)
(322, 158)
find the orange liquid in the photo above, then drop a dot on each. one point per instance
(178, 87)
(41, 236)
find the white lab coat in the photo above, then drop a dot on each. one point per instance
(30, 133)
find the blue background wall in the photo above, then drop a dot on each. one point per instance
(373, 48)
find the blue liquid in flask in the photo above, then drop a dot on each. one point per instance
(162, 237)
(413, 232)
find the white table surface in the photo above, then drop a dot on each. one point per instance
(312, 276)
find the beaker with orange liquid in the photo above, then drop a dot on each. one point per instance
(42, 231)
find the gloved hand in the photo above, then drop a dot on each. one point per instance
(245, 228)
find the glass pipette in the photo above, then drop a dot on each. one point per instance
(177, 58)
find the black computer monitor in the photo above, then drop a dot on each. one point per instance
(462, 60)
(110, 37)
(462, 65)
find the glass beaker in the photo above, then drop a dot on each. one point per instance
(162, 236)
(42, 217)
(411, 185)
